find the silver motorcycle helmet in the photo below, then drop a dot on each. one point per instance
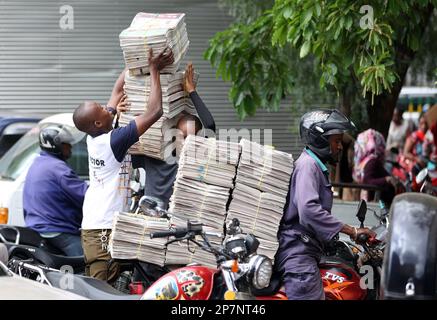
(53, 136)
(316, 126)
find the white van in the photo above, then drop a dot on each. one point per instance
(16, 162)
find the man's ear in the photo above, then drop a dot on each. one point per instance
(98, 124)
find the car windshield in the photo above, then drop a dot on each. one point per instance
(19, 158)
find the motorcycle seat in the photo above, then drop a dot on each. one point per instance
(332, 260)
(27, 236)
(88, 287)
(48, 259)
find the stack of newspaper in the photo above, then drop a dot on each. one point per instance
(130, 238)
(182, 252)
(259, 196)
(174, 98)
(206, 172)
(156, 31)
(157, 141)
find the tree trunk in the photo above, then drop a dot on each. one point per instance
(381, 112)
(345, 102)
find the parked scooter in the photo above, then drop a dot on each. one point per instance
(27, 245)
(31, 256)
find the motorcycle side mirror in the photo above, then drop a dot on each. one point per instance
(361, 213)
(421, 176)
(138, 181)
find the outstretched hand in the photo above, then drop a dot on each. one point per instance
(123, 105)
(164, 59)
(189, 85)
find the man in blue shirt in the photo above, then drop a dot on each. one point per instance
(53, 193)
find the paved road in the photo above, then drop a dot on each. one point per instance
(346, 211)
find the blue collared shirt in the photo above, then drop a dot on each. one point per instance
(53, 196)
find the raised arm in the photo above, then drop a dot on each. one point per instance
(154, 108)
(190, 87)
(117, 91)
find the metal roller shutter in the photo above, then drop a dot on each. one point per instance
(46, 70)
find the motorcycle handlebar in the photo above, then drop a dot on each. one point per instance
(177, 233)
(363, 238)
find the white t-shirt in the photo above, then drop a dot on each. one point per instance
(109, 176)
(397, 134)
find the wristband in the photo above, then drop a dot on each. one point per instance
(112, 110)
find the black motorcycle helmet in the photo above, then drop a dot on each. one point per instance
(316, 126)
(52, 137)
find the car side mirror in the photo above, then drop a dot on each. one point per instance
(361, 213)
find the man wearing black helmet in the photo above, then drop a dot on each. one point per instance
(307, 224)
(53, 193)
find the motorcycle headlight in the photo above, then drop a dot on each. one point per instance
(260, 271)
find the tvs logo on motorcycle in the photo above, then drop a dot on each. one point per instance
(333, 277)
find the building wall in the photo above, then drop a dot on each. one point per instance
(45, 69)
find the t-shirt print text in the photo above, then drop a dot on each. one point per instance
(97, 162)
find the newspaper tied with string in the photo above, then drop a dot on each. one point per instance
(205, 176)
(130, 238)
(259, 196)
(157, 141)
(156, 31)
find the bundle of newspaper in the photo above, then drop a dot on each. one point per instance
(182, 252)
(209, 160)
(130, 238)
(156, 31)
(263, 168)
(174, 98)
(157, 141)
(259, 196)
(205, 175)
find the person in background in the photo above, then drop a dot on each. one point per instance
(398, 132)
(417, 148)
(369, 166)
(53, 194)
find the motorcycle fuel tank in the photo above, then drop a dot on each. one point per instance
(410, 267)
(340, 281)
(187, 283)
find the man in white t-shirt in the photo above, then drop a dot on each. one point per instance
(107, 148)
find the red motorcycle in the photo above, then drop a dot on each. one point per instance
(240, 272)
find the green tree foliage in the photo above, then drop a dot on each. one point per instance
(354, 47)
